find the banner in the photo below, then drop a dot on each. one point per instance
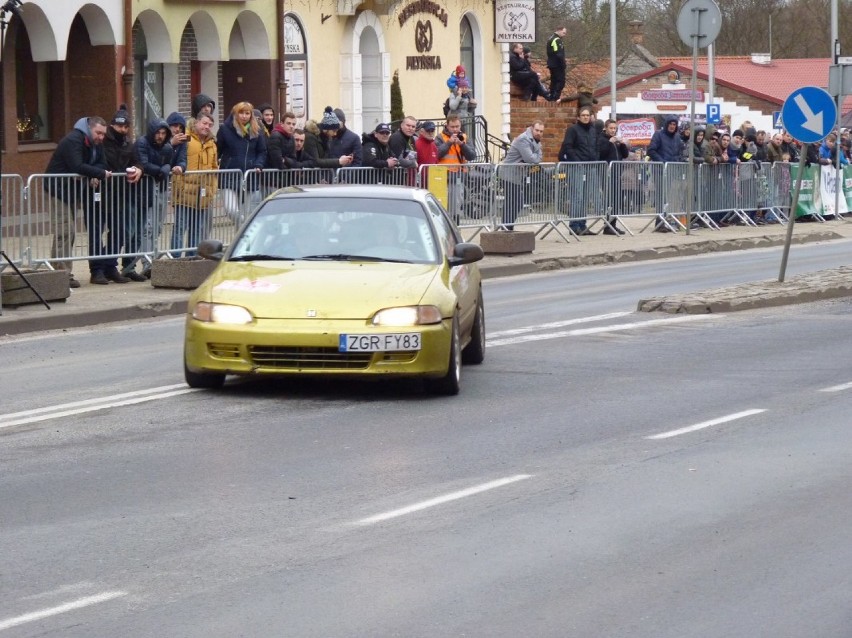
(809, 195)
(828, 191)
(636, 132)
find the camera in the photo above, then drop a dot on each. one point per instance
(461, 137)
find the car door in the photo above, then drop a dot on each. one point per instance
(464, 279)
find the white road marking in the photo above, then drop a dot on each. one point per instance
(838, 388)
(556, 324)
(60, 609)
(706, 424)
(440, 500)
(578, 332)
(91, 405)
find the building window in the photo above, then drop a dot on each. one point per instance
(31, 82)
(296, 68)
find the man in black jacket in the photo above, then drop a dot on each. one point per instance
(376, 152)
(402, 143)
(556, 63)
(580, 144)
(612, 149)
(78, 152)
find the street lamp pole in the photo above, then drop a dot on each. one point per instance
(612, 53)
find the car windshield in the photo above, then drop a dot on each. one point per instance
(338, 229)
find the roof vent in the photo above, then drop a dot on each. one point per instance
(761, 58)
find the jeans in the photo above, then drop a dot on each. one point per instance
(190, 221)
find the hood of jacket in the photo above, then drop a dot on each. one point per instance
(176, 118)
(155, 125)
(199, 101)
(312, 127)
(280, 128)
(668, 120)
(83, 125)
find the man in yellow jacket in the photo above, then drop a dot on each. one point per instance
(193, 193)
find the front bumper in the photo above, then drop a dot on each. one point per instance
(309, 347)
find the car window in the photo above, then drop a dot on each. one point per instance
(338, 228)
(446, 233)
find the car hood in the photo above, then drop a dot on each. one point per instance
(322, 290)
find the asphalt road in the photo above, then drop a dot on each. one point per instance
(604, 473)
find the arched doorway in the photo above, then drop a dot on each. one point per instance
(371, 79)
(467, 57)
(296, 68)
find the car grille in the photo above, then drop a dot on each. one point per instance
(308, 358)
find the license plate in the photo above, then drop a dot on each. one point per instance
(385, 342)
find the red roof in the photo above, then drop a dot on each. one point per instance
(777, 79)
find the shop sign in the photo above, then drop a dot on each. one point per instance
(514, 21)
(672, 95)
(423, 38)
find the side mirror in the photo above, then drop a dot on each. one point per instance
(466, 253)
(211, 249)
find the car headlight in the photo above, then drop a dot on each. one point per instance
(221, 313)
(407, 316)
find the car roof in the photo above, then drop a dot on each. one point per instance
(358, 191)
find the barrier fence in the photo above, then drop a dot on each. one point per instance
(50, 220)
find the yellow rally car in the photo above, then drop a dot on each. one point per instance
(339, 280)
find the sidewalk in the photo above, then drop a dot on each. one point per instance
(93, 304)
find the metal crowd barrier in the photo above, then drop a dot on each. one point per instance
(52, 220)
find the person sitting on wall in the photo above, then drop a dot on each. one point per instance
(522, 75)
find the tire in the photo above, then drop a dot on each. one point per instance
(474, 352)
(450, 383)
(212, 381)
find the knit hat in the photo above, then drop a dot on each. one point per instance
(737, 133)
(462, 83)
(121, 116)
(460, 70)
(340, 115)
(330, 121)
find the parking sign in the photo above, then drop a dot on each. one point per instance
(714, 114)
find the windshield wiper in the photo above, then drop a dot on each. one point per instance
(260, 257)
(348, 257)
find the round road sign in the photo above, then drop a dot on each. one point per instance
(707, 27)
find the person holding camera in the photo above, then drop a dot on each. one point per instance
(612, 149)
(454, 150)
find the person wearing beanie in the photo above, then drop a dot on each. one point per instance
(458, 74)
(121, 117)
(344, 143)
(267, 118)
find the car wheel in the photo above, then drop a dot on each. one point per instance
(474, 352)
(450, 383)
(203, 380)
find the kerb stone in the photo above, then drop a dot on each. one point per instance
(52, 285)
(187, 274)
(507, 243)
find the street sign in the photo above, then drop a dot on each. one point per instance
(809, 114)
(777, 120)
(839, 79)
(714, 114)
(701, 18)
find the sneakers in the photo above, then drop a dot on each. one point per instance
(98, 278)
(135, 276)
(116, 277)
(73, 283)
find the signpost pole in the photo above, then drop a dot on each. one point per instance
(792, 219)
(838, 184)
(690, 169)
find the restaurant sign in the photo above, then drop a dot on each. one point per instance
(672, 95)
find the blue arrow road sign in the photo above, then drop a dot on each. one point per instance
(714, 114)
(809, 114)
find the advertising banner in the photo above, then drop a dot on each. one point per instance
(636, 132)
(828, 191)
(809, 195)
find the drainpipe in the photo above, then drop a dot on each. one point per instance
(282, 85)
(127, 77)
